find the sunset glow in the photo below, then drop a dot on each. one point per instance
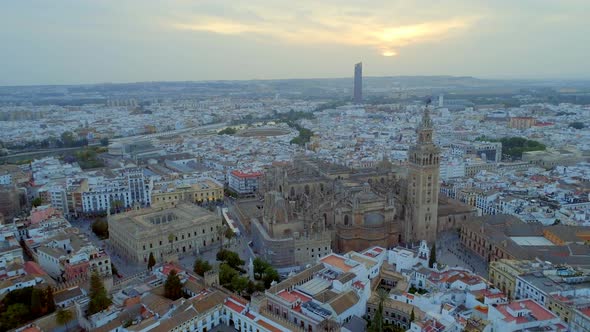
(376, 32)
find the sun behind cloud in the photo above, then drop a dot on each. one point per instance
(328, 28)
(388, 53)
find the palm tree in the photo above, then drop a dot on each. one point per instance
(229, 234)
(377, 324)
(115, 205)
(63, 317)
(171, 239)
(220, 235)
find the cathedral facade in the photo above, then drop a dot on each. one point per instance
(311, 207)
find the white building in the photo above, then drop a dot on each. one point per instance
(130, 187)
(523, 315)
(404, 258)
(58, 198)
(452, 168)
(244, 183)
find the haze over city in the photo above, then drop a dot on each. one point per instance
(74, 42)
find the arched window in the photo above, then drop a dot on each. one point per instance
(292, 194)
(346, 221)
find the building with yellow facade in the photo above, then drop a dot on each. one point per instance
(503, 273)
(521, 122)
(171, 192)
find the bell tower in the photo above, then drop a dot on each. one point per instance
(423, 186)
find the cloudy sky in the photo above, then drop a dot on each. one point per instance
(92, 41)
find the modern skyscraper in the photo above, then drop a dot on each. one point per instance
(423, 186)
(358, 83)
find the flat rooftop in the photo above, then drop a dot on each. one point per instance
(293, 296)
(315, 286)
(339, 262)
(531, 241)
(162, 218)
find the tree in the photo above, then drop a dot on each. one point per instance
(36, 202)
(67, 138)
(412, 316)
(49, 302)
(229, 234)
(220, 235)
(201, 266)
(239, 284)
(432, 258)
(99, 298)
(36, 302)
(226, 274)
(15, 315)
(227, 131)
(116, 205)
(377, 323)
(259, 267)
(173, 286)
(270, 275)
(231, 258)
(255, 287)
(151, 261)
(63, 317)
(100, 227)
(577, 125)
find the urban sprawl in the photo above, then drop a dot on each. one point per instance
(382, 204)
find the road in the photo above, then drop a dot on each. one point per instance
(450, 251)
(123, 266)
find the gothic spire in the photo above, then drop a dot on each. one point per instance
(426, 120)
(425, 128)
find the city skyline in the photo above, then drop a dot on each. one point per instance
(84, 43)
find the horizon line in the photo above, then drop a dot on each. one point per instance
(497, 78)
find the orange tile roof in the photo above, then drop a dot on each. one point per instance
(239, 299)
(234, 306)
(538, 311)
(337, 261)
(482, 309)
(293, 296)
(358, 284)
(267, 326)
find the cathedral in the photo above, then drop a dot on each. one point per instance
(311, 207)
